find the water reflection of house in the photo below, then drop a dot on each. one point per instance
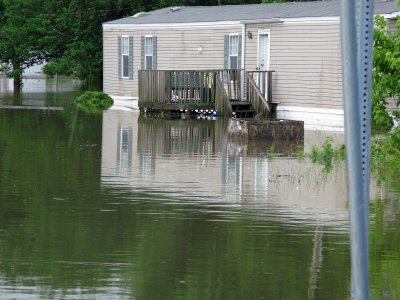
(38, 84)
(119, 142)
(189, 160)
(34, 80)
(157, 150)
(35, 72)
(5, 85)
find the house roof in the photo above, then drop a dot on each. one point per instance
(248, 12)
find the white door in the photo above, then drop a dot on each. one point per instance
(263, 60)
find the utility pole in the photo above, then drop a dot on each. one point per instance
(357, 39)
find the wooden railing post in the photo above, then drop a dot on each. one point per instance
(269, 87)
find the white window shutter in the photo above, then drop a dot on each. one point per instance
(119, 58)
(130, 59)
(226, 51)
(240, 52)
(142, 64)
(154, 53)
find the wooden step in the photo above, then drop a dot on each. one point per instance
(240, 105)
(236, 107)
(242, 109)
(243, 114)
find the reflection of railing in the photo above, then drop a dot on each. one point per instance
(188, 137)
(259, 91)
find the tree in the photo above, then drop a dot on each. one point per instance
(386, 72)
(25, 40)
(82, 57)
(67, 33)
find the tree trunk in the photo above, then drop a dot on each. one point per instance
(17, 75)
(17, 83)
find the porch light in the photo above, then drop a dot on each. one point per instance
(200, 49)
(249, 34)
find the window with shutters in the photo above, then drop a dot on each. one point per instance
(233, 51)
(148, 53)
(125, 56)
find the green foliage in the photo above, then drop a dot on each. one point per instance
(67, 33)
(381, 120)
(385, 157)
(280, 1)
(386, 72)
(24, 38)
(81, 55)
(327, 154)
(300, 155)
(94, 102)
(61, 66)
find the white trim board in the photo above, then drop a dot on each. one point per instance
(220, 23)
(314, 118)
(313, 20)
(391, 16)
(172, 25)
(125, 102)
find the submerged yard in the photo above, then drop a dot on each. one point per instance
(116, 206)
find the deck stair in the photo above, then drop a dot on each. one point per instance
(242, 109)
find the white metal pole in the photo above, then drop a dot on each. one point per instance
(365, 61)
(353, 129)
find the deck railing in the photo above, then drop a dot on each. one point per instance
(177, 86)
(232, 82)
(259, 91)
(154, 86)
(187, 86)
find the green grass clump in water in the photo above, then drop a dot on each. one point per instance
(385, 157)
(327, 154)
(94, 102)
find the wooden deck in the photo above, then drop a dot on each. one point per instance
(204, 89)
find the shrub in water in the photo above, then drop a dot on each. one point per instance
(385, 158)
(94, 102)
(327, 154)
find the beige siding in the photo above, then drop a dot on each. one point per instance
(113, 85)
(307, 63)
(177, 49)
(305, 57)
(392, 24)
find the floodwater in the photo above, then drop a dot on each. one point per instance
(117, 206)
